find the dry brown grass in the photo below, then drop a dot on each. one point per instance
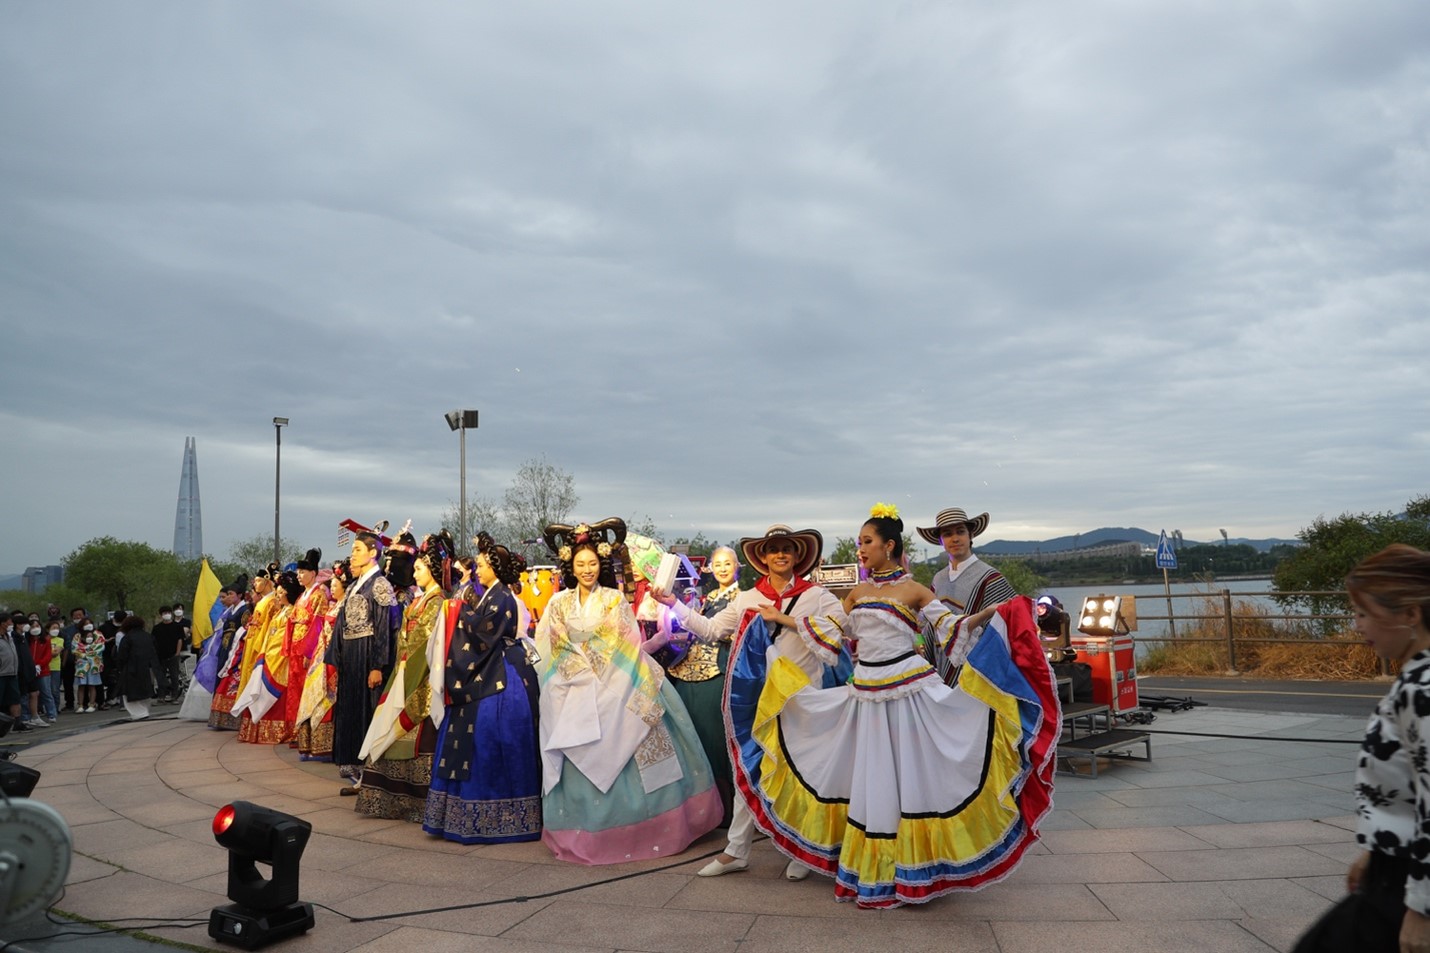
(1301, 654)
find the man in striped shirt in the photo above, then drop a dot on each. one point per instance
(967, 584)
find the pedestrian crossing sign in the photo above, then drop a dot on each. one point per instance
(1166, 555)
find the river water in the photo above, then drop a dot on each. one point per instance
(1152, 601)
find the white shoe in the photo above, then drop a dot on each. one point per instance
(794, 870)
(715, 868)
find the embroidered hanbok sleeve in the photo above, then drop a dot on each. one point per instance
(623, 619)
(713, 628)
(275, 651)
(946, 635)
(551, 638)
(479, 634)
(414, 680)
(385, 598)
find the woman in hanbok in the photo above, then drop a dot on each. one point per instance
(624, 774)
(699, 675)
(896, 785)
(399, 743)
(305, 631)
(263, 717)
(313, 728)
(486, 778)
(244, 651)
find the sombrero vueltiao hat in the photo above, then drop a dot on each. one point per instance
(808, 545)
(952, 517)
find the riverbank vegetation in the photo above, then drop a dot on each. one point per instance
(1264, 646)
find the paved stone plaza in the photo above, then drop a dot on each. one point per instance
(1221, 845)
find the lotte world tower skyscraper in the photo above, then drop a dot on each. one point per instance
(188, 522)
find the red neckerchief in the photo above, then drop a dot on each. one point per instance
(768, 591)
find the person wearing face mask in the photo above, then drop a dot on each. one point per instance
(58, 655)
(109, 689)
(88, 667)
(70, 633)
(10, 674)
(41, 652)
(188, 626)
(168, 637)
(29, 676)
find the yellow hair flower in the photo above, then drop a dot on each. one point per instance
(886, 511)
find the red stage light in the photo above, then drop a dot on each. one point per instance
(223, 820)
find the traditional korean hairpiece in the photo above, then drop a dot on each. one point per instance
(397, 559)
(607, 539)
(343, 573)
(507, 565)
(288, 582)
(436, 554)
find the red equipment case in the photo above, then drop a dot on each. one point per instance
(1114, 669)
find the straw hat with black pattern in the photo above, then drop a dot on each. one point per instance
(808, 545)
(949, 518)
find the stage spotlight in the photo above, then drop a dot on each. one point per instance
(1108, 615)
(263, 910)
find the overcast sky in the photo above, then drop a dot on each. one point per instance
(1077, 264)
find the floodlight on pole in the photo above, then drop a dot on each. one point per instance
(461, 421)
(278, 424)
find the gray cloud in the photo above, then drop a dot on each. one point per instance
(1078, 265)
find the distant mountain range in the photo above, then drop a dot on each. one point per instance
(1103, 536)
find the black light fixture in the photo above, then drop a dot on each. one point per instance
(278, 424)
(16, 780)
(1108, 615)
(264, 910)
(462, 420)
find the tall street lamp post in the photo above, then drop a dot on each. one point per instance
(461, 420)
(278, 424)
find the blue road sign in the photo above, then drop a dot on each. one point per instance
(1166, 555)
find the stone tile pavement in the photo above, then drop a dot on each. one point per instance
(1219, 844)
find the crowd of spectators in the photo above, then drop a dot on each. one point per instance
(50, 666)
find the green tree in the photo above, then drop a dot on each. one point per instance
(482, 515)
(1333, 547)
(541, 493)
(1021, 577)
(117, 574)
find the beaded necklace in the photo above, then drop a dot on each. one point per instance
(885, 576)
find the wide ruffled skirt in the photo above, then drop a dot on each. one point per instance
(583, 825)
(500, 801)
(901, 800)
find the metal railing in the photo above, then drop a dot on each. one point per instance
(1228, 617)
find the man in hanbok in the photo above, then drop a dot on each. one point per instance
(361, 653)
(783, 557)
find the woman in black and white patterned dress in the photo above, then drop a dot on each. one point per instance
(1389, 903)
